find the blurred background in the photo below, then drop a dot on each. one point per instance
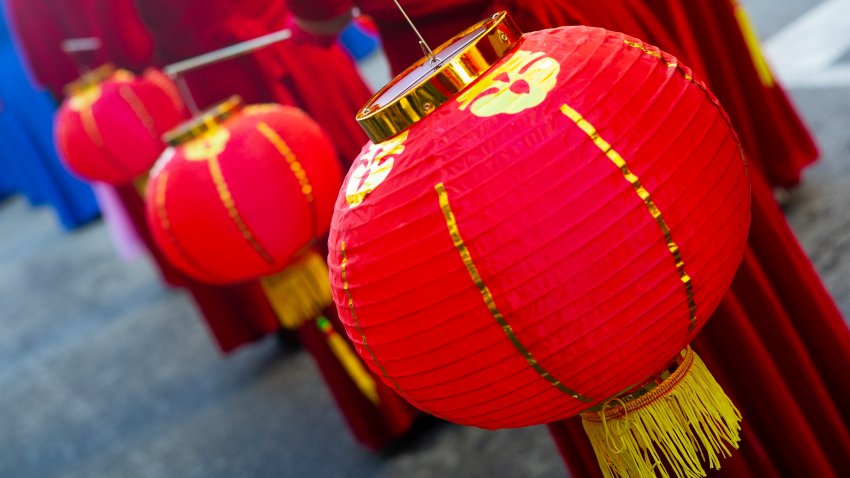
(106, 371)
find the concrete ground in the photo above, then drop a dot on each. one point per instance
(106, 373)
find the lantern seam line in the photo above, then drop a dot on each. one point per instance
(347, 289)
(646, 198)
(489, 301)
(93, 132)
(139, 109)
(90, 125)
(295, 166)
(230, 205)
(160, 186)
(168, 88)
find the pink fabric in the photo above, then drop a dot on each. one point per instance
(127, 242)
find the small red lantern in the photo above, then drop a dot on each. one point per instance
(540, 226)
(109, 128)
(242, 191)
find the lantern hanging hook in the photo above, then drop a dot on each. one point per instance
(426, 50)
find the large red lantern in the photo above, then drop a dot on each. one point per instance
(109, 128)
(540, 226)
(242, 191)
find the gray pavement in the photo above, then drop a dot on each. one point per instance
(106, 373)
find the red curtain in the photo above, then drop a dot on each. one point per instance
(42, 25)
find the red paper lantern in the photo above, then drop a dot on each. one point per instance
(109, 128)
(242, 191)
(515, 249)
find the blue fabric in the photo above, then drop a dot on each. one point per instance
(28, 160)
(358, 42)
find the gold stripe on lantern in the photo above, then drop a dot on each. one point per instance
(295, 166)
(489, 301)
(90, 125)
(350, 300)
(644, 195)
(230, 205)
(132, 99)
(161, 186)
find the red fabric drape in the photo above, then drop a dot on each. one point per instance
(437, 20)
(703, 34)
(240, 314)
(42, 25)
(706, 36)
(781, 146)
(372, 425)
(323, 82)
(235, 315)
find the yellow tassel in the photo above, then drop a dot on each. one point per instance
(349, 360)
(753, 46)
(301, 292)
(674, 429)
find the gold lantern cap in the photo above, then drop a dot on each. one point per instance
(427, 84)
(90, 79)
(205, 122)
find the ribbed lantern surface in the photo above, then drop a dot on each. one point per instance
(109, 128)
(548, 239)
(241, 200)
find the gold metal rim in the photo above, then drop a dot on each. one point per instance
(204, 123)
(424, 86)
(90, 79)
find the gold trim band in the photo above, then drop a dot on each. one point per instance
(424, 86)
(161, 187)
(89, 79)
(206, 122)
(347, 289)
(684, 72)
(90, 126)
(660, 386)
(132, 99)
(229, 204)
(296, 168)
(489, 301)
(644, 195)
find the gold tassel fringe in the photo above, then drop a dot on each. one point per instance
(350, 361)
(674, 429)
(301, 292)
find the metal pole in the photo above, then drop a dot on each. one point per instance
(227, 53)
(72, 46)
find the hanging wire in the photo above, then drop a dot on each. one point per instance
(426, 50)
